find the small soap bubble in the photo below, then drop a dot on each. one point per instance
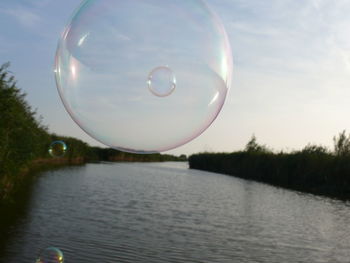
(161, 81)
(50, 255)
(57, 149)
(143, 76)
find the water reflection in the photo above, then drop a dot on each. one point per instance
(167, 213)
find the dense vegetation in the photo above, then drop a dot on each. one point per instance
(314, 169)
(24, 141)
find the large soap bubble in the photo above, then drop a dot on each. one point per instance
(143, 76)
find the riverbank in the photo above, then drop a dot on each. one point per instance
(313, 170)
(311, 173)
(20, 188)
(12, 183)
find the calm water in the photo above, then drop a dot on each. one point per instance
(164, 212)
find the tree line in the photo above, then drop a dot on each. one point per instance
(314, 169)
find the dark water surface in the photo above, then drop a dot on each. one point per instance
(164, 212)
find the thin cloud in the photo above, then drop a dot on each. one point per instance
(23, 16)
(286, 36)
(41, 3)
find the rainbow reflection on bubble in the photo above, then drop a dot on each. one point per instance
(57, 149)
(50, 255)
(143, 76)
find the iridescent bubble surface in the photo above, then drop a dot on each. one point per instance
(57, 149)
(50, 255)
(143, 76)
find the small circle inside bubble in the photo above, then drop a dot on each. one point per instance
(50, 255)
(161, 81)
(57, 149)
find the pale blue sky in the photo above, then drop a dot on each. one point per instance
(290, 80)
